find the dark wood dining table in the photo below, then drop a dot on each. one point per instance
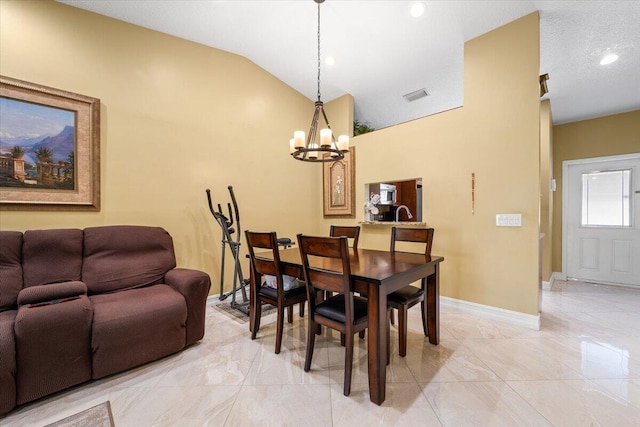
(377, 273)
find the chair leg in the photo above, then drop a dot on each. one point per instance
(402, 330)
(302, 309)
(256, 319)
(290, 314)
(423, 307)
(342, 340)
(361, 334)
(348, 364)
(311, 340)
(279, 329)
(388, 337)
(393, 317)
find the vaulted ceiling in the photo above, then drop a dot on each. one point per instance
(382, 52)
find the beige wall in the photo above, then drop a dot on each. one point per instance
(177, 118)
(340, 115)
(546, 200)
(604, 136)
(496, 135)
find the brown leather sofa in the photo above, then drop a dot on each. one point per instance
(77, 305)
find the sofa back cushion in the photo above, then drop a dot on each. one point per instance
(51, 256)
(125, 256)
(10, 268)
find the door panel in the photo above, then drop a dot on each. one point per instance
(589, 254)
(622, 256)
(601, 221)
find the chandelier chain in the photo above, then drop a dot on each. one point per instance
(318, 51)
(328, 149)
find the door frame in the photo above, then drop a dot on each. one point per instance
(565, 197)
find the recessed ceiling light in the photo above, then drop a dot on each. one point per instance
(418, 9)
(329, 61)
(608, 59)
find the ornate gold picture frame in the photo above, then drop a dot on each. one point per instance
(49, 148)
(338, 186)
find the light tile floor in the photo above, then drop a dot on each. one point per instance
(581, 369)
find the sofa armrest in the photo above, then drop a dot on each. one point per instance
(194, 285)
(52, 293)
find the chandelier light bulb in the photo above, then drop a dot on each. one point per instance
(298, 136)
(343, 143)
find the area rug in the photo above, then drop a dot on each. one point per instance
(238, 315)
(97, 416)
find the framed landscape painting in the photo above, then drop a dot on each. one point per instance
(49, 148)
(338, 186)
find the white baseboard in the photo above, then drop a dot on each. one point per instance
(556, 275)
(513, 317)
(548, 286)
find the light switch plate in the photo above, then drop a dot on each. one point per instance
(509, 220)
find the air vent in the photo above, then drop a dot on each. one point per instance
(415, 95)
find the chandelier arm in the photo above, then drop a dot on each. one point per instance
(326, 120)
(313, 128)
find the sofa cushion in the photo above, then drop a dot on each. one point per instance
(136, 326)
(7, 362)
(53, 347)
(121, 257)
(10, 268)
(51, 256)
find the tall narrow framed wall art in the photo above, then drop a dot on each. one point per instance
(338, 186)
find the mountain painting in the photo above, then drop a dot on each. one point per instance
(37, 146)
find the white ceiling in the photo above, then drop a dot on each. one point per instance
(382, 52)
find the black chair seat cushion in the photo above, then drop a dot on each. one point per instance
(405, 295)
(334, 309)
(273, 293)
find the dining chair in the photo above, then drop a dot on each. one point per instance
(268, 263)
(350, 231)
(344, 312)
(405, 298)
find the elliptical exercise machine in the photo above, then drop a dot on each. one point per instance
(226, 224)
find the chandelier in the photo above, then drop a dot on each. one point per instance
(309, 150)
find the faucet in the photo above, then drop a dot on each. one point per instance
(398, 212)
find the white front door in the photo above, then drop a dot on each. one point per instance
(601, 219)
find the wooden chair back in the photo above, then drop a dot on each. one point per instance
(261, 264)
(349, 231)
(329, 270)
(416, 235)
(268, 263)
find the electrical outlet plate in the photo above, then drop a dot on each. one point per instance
(509, 220)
